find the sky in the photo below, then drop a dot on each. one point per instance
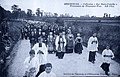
(57, 6)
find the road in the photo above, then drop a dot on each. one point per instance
(71, 65)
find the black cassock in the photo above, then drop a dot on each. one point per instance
(78, 46)
(32, 40)
(105, 66)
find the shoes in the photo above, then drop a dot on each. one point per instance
(106, 73)
(93, 62)
(80, 53)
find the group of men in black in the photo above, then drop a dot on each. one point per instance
(58, 39)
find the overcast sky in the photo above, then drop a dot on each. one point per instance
(57, 6)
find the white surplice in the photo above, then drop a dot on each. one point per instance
(44, 74)
(92, 46)
(42, 58)
(63, 39)
(31, 64)
(108, 53)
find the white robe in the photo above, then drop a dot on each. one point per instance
(33, 63)
(44, 74)
(42, 57)
(57, 40)
(107, 52)
(92, 47)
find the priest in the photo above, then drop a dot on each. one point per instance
(41, 52)
(92, 47)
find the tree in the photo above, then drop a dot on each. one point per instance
(23, 14)
(15, 12)
(14, 8)
(2, 15)
(29, 12)
(55, 15)
(8, 14)
(59, 21)
(61, 15)
(19, 12)
(38, 12)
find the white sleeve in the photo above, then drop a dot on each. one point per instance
(81, 39)
(56, 42)
(54, 75)
(45, 52)
(89, 42)
(41, 75)
(73, 36)
(97, 42)
(112, 54)
(37, 64)
(75, 40)
(65, 41)
(35, 47)
(45, 49)
(103, 53)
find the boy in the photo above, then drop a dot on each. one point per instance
(107, 55)
(31, 64)
(48, 71)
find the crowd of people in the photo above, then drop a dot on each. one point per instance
(107, 53)
(54, 37)
(48, 38)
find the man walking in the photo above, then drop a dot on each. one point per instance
(41, 52)
(92, 47)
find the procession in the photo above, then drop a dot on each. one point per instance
(43, 38)
(45, 41)
(47, 45)
(50, 41)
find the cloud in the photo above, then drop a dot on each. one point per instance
(57, 6)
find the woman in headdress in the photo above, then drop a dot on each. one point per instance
(44, 37)
(39, 33)
(26, 33)
(50, 42)
(32, 39)
(70, 42)
(78, 44)
(36, 35)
